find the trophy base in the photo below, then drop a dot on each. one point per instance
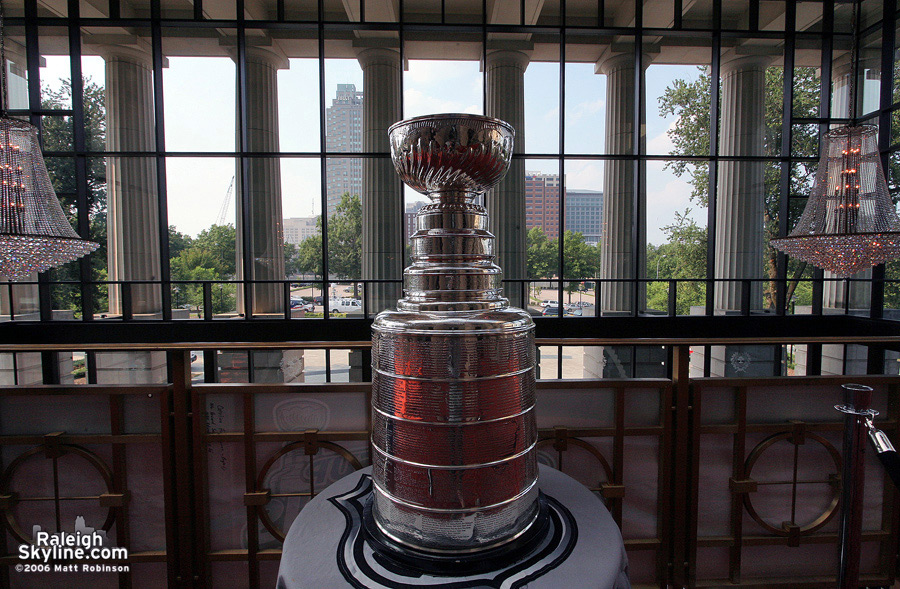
(327, 546)
(454, 563)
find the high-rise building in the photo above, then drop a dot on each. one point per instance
(584, 208)
(343, 133)
(296, 229)
(542, 202)
(410, 217)
(584, 213)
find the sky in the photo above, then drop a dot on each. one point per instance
(197, 187)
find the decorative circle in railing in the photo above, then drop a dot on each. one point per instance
(795, 483)
(52, 452)
(561, 446)
(264, 515)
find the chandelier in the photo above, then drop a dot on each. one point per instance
(35, 234)
(849, 223)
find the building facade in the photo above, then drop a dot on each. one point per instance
(542, 202)
(343, 133)
(296, 229)
(583, 208)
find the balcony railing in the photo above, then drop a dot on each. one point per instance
(713, 481)
(216, 300)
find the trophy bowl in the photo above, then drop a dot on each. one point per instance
(451, 152)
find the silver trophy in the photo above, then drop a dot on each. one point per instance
(453, 419)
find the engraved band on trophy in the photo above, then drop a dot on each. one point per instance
(453, 381)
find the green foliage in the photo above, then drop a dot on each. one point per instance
(690, 102)
(542, 254)
(58, 136)
(216, 246)
(582, 261)
(208, 257)
(178, 242)
(291, 259)
(344, 242)
(683, 256)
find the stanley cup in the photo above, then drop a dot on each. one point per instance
(453, 421)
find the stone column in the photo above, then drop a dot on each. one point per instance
(266, 229)
(263, 186)
(133, 251)
(382, 198)
(505, 71)
(133, 247)
(617, 242)
(740, 188)
(739, 212)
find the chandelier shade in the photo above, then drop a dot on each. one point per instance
(849, 223)
(35, 234)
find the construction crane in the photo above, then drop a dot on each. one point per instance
(220, 220)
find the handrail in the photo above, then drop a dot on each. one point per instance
(363, 344)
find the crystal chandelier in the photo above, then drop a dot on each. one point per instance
(849, 223)
(35, 234)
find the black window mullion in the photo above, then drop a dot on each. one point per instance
(886, 98)
(562, 162)
(81, 190)
(33, 58)
(784, 188)
(322, 161)
(159, 120)
(712, 198)
(636, 213)
(246, 227)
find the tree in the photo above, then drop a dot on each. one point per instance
(208, 257)
(689, 101)
(345, 238)
(291, 259)
(542, 254)
(178, 242)
(344, 242)
(57, 135)
(581, 260)
(683, 256)
(218, 245)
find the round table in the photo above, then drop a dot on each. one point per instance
(325, 546)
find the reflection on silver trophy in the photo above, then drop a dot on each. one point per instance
(454, 431)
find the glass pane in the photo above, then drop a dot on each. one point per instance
(678, 106)
(188, 126)
(202, 198)
(437, 86)
(298, 102)
(56, 68)
(344, 108)
(16, 68)
(676, 235)
(541, 108)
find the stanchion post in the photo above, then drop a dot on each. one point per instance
(856, 410)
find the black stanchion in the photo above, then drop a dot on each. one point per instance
(858, 425)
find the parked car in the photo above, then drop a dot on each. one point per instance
(573, 310)
(345, 305)
(549, 303)
(303, 305)
(550, 310)
(584, 304)
(318, 300)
